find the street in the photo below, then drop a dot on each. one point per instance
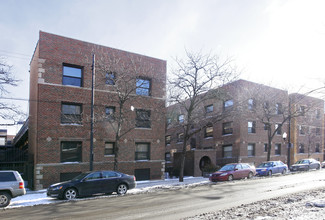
(174, 204)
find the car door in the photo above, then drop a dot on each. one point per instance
(239, 172)
(276, 167)
(110, 181)
(91, 184)
(246, 170)
(313, 164)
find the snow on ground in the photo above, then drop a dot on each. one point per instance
(33, 198)
(298, 206)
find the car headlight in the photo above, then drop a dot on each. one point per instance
(57, 187)
(223, 174)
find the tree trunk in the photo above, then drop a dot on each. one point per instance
(116, 157)
(181, 171)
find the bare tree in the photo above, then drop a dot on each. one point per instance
(125, 76)
(7, 79)
(195, 80)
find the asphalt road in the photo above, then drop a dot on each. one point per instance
(174, 204)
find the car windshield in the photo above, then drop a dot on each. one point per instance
(80, 176)
(302, 162)
(228, 167)
(266, 164)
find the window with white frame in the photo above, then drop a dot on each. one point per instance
(251, 150)
(251, 127)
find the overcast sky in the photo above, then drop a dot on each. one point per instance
(274, 42)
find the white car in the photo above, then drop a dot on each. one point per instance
(11, 186)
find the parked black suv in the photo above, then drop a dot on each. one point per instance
(11, 186)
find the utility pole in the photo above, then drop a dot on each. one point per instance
(91, 154)
(289, 135)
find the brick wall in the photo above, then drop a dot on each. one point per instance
(47, 94)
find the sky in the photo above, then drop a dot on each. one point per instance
(273, 42)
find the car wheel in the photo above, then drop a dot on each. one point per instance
(318, 167)
(70, 194)
(250, 175)
(4, 199)
(230, 178)
(284, 171)
(122, 189)
(269, 173)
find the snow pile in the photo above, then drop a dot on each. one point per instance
(299, 206)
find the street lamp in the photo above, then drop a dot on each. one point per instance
(284, 136)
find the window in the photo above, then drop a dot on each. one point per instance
(318, 131)
(110, 174)
(70, 151)
(110, 78)
(227, 151)
(208, 131)
(251, 150)
(317, 148)
(227, 105)
(251, 127)
(70, 113)
(94, 176)
(277, 149)
(251, 104)
(143, 118)
(208, 108)
(169, 121)
(266, 105)
(7, 177)
(227, 128)
(265, 147)
(109, 112)
(302, 130)
(180, 137)
(167, 157)
(301, 149)
(193, 143)
(142, 151)
(143, 87)
(109, 148)
(72, 75)
(266, 126)
(302, 110)
(278, 108)
(317, 113)
(167, 139)
(181, 118)
(278, 129)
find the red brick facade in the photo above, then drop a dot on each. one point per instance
(240, 92)
(48, 93)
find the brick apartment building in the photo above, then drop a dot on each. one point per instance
(241, 135)
(60, 110)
